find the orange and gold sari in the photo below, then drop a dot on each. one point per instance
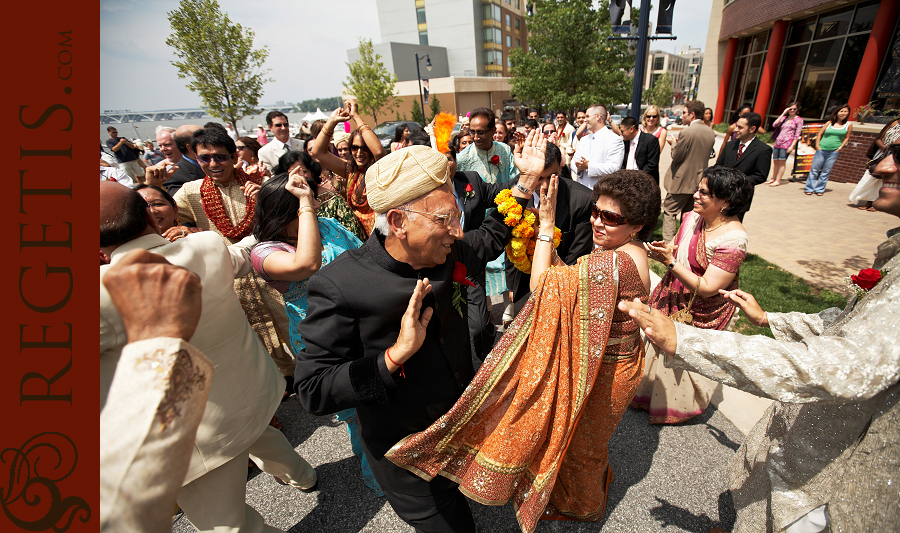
(534, 424)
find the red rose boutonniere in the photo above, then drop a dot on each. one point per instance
(459, 279)
(495, 159)
(864, 281)
(470, 193)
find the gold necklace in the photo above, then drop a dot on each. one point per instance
(715, 228)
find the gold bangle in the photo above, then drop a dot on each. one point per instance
(363, 128)
(326, 132)
(305, 209)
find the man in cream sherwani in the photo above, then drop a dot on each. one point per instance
(247, 387)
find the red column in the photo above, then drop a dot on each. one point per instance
(879, 42)
(727, 68)
(770, 68)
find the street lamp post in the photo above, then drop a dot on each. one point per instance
(419, 78)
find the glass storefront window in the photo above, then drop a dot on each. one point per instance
(851, 58)
(865, 16)
(788, 79)
(802, 31)
(834, 24)
(820, 67)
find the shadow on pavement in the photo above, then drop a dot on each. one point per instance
(672, 515)
(340, 487)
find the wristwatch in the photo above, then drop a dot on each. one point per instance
(670, 266)
(523, 188)
(542, 237)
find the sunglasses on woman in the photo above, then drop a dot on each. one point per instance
(608, 217)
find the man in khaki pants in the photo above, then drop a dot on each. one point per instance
(690, 155)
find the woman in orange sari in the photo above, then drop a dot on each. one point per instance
(365, 149)
(534, 424)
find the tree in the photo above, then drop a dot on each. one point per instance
(219, 57)
(435, 106)
(569, 62)
(661, 93)
(416, 113)
(370, 82)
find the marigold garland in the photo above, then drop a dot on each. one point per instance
(520, 249)
(443, 127)
(212, 206)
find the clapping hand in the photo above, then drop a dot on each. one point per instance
(251, 190)
(662, 251)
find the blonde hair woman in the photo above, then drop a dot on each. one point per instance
(650, 124)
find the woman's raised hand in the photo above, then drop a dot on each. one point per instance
(339, 115)
(662, 251)
(297, 185)
(548, 205)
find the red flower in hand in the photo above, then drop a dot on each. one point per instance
(459, 274)
(867, 278)
(469, 186)
(495, 159)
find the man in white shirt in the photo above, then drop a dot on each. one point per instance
(282, 143)
(599, 152)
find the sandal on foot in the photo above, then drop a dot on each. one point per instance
(872, 209)
(820, 193)
(773, 184)
(808, 194)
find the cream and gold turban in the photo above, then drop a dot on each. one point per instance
(405, 175)
(339, 137)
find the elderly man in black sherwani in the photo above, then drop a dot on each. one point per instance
(384, 333)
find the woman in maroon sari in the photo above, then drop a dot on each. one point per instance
(705, 257)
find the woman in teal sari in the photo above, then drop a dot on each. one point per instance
(293, 244)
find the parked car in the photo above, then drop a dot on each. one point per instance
(385, 131)
(616, 119)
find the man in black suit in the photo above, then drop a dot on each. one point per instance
(385, 332)
(573, 218)
(474, 196)
(164, 174)
(641, 149)
(747, 153)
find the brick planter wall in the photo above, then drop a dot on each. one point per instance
(851, 164)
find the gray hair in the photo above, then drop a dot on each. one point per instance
(383, 227)
(160, 129)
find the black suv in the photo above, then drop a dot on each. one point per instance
(385, 131)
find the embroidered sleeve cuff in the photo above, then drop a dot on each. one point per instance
(367, 380)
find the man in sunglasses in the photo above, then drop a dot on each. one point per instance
(386, 328)
(282, 143)
(826, 458)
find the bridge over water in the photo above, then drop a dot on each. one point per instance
(126, 115)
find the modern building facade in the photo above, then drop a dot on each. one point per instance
(659, 63)
(694, 68)
(822, 53)
(478, 34)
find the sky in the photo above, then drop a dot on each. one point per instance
(307, 41)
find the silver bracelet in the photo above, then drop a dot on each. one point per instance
(542, 237)
(523, 188)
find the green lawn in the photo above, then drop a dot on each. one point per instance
(775, 289)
